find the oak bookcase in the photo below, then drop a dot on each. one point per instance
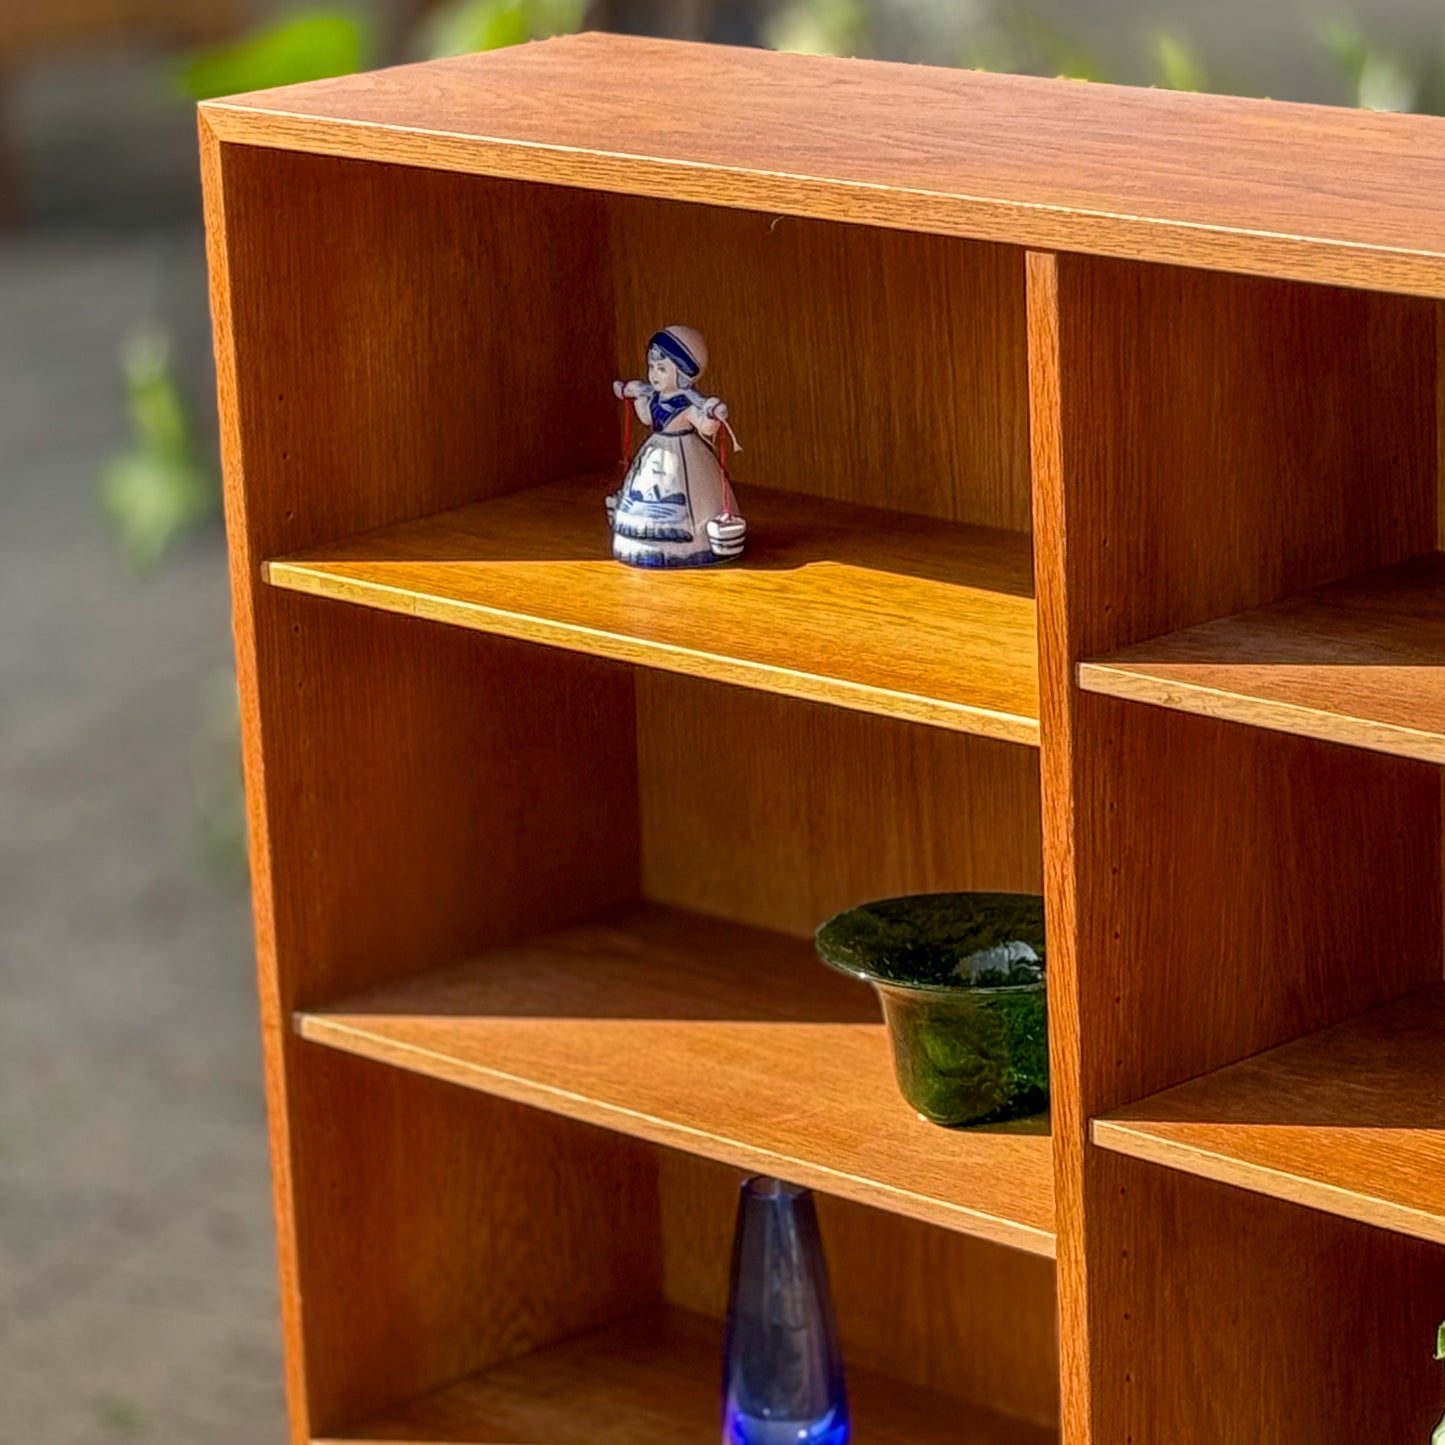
(1093, 444)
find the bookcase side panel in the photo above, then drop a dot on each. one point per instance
(867, 365)
(1203, 444)
(414, 792)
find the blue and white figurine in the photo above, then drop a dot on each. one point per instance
(675, 506)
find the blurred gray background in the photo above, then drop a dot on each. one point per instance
(137, 1300)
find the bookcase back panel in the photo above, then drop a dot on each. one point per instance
(1229, 441)
(1246, 1318)
(780, 813)
(442, 1231)
(1251, 887)
(928, 1306)
(429, 793)
(872, 366)
(397, 341)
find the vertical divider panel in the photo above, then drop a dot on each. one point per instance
(391, 342)
(1204, 443)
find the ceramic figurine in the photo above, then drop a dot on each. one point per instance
(675, 506)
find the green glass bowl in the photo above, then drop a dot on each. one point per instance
(962, 980)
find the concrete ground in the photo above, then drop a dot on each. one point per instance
(137, 1296)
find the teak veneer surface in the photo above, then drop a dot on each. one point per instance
(906, 616)
(1203, 444)
(1360, 662)
(652, 1379)
(1350, 1120)
(718, 1039)
(898, 1285)
(1296, 191)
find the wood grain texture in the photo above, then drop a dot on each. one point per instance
(1212, 890)
(1360, 662)
(442, 1231)
(931, 1307)
(780, 814)
(410, 792)
(653, 1380)
(909, 391)
(939, 617)
(687, 1032)
(1304, 192)
(1350, 1120)
(1069, 1118)
(1243, 441)
(1242, 1318)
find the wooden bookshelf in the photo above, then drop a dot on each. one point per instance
(652, 1380)
(1092, 458)
(677, 1029)
(939, 617)
(1357, 662)
(1349, 1120)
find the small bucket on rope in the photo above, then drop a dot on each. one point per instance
(727, 534)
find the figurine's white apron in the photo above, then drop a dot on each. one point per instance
(673, 488)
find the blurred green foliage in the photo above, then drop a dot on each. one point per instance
(1179, 67)
(310, 46)
(1021, 41)
(1380, 79)
(471, 25)
(820, 27)
(157, 488)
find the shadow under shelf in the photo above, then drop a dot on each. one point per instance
(712, 1037)
(1359, 662)
(1350, 1120)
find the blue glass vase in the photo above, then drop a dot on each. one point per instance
(782, 1368)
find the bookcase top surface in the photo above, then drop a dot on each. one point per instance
(1263, 187)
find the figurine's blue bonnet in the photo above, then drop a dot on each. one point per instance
(682, 346)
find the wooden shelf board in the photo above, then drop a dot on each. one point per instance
(652, 1379)
(1350, 1120)
(1043, 163)
(717, 1039)
(869, 609)
(1360, 662)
